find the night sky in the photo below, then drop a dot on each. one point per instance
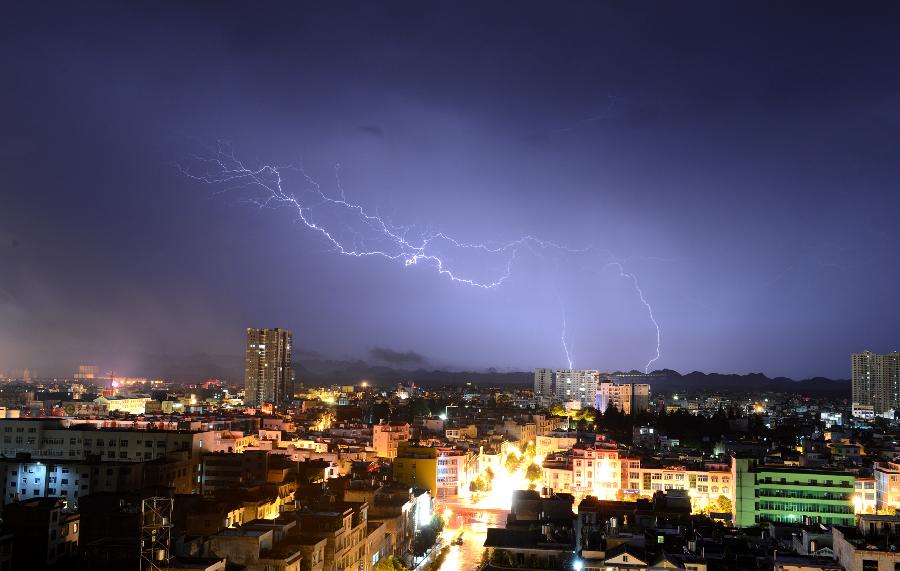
(741, 161)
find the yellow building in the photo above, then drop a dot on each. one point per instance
(416, 466)
(130, 405)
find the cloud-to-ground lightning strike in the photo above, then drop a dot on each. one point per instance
(565, 343)
(225, 171)
(640, 292)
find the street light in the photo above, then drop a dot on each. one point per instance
(577, 565)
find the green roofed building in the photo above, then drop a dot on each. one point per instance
(789, 494)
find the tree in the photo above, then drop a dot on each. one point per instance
(479, 485)
(420, 407)
(533, 473)
(512, 463)
(722, 504)
(529, 449)
(557, 410)
(390, 563)
(489, 474)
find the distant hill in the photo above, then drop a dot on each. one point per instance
(316, 370)
(667, 379)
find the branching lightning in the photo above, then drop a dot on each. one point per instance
(373, 235)
(640, 292)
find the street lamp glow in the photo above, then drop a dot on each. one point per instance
(577, 565)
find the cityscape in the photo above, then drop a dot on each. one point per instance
(470, 286)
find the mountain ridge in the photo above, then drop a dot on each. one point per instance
(317, 370)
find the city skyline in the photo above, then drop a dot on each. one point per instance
(687, 188)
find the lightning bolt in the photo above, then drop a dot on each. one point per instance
(563, 337)
(227, 173)
(640, 292)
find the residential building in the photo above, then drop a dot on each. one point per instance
(57, 439)
(628, 398)
(258, 547)
(23, 478)
(224, 470)
(455, 470)
(577, 385)
(386, 436)
(129, 405)
(872, 545)
(268, 369)
(876, 381)
(416, 466)
(887, 484)
(865, 500)
(344, 526)
(43, 533)
(443, 471)
(544, 383)
(790, 494)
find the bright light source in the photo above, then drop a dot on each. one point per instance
(578, 565)
(424, 511)
(442, 416)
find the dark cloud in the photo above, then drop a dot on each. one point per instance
(726, 137)
(392, 357)
(307, 355)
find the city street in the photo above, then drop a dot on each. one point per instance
(473, 523)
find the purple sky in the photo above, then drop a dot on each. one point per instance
(740, 160)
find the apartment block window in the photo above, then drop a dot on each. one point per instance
(870, 565)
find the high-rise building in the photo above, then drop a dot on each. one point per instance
(543, 383)
(575, 385)
(86, 372)
(876, 380)
(268, 372)
(627, 397)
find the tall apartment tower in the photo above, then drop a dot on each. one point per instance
(268, 373)
(876, 380)
(543, 383)
(577, 385)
